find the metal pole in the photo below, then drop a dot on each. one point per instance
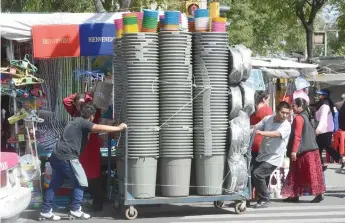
(109, 166)
(326, 44)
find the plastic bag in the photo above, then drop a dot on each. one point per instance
(235, 67)
(246, 61)
(240, 134)
(30, 167)
(248, 98)
(235, 101)
(102, 96)
(237, 175)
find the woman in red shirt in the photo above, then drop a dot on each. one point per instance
(90, 157)
(262, 110)
(305, 173)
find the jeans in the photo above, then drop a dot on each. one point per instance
(324, 141)
(262, 171)
(62, 169)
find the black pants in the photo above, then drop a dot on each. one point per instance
(96, 189)
(324, 141)
(262, 171)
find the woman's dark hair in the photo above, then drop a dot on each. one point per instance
(80, 96)
(87, 110)
(300, 102)
(260, 96)
(282, 105)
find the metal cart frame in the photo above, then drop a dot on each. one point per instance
(127, 201)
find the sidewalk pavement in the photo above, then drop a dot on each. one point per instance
(335, 180)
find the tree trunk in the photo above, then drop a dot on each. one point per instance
(99, 6)
(309, 34)
(125, 4)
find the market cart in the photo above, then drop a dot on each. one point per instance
(126, 202)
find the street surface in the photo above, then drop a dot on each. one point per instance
(331, 210)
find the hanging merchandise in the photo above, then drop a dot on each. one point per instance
(256, 81)
(301, 83)
(239, 140)
(237, 175)
(102, 95)
(96, 39)
(235, 101)
(248, 99)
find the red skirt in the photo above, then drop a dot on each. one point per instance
(305, 176)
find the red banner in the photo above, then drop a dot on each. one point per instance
(56, 41)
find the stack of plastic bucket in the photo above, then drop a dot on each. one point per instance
(140, 16)
(118, 28)
(141, 72)
(202, 20)
(172, 20)
(130, 23)
(218, 24)
(150, 21)
(210, 111)
(161, 23)
(176, 112)
(214, 10)
(191, 24)
(119, 107)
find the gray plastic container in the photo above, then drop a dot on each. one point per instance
(175, 176)
(210, 174)
(142, 174)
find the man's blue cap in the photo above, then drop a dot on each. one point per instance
(323, 92)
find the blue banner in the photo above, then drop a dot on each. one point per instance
(96, 39)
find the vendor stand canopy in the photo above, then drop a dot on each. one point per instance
(18, 26)
(279, 68)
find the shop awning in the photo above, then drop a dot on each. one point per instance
(17, 26)
(278, 68)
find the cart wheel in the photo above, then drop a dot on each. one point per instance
(240, 207)
(218, 204)
(133, 215)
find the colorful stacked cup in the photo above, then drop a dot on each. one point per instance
(140, 16)
(202, 20)
(161, 22)
(130, 23)
(150, 21)
(171, 20)
(118, 28)
(191, 24)
(219, 24)
(214, 10)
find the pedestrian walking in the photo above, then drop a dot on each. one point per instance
(305, 173)
(276, 130)
(324, 130)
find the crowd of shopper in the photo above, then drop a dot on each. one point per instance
(301, 141)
